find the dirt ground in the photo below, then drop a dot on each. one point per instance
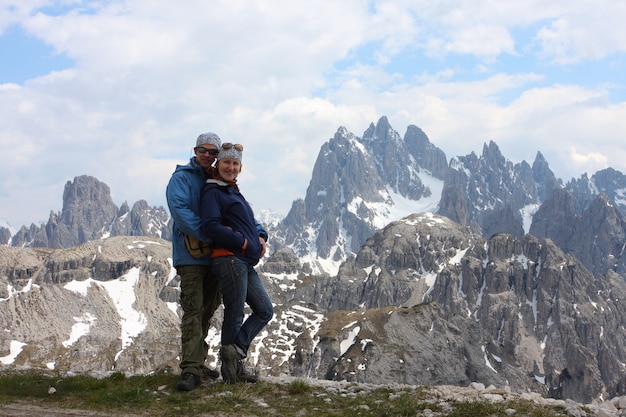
(24, 409)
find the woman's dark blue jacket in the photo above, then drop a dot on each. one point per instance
(228, 220)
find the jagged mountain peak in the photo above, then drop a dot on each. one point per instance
(611, 182)
(427, 156)
(342, 131)
(400, 161)
(380, 132)
(358, 185)
(545, 179)
(88, 213)
(608, 181)
(489, 193)
(492, 156)
(540, 160)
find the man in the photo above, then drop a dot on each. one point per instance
(199, 295)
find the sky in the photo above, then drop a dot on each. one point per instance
(120, 90)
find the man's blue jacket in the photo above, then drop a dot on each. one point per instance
(183, 199)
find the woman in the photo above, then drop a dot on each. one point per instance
(228, 220)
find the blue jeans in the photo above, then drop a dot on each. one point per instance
(239, 284)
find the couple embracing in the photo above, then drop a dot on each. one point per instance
(206, 204)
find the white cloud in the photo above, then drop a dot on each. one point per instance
(482, 40)
(584, 32)
(279, 77)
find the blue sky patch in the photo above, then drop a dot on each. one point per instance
(23, 57)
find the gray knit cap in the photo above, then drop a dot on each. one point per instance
(230, 153)
(209, 138)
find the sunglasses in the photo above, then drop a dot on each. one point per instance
(202, 149)
(228, 145)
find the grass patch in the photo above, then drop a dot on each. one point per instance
(298, 387)
(521, 408)
(156, 395)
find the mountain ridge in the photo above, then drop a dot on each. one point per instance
(358, 185)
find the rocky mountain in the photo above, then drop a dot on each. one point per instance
(89, 213)
(597, 236)
(358, 185)
(492, 195)
(97, 306)
(607, 181)
(508, 310)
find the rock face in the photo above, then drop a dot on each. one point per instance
(359, 184)
(596, 236)
(608, 181)
(505, 309)
(425, 301)
(490, 193)
(92, 307)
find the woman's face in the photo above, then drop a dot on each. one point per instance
(229, 168)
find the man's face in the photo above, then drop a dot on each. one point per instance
(205, 155)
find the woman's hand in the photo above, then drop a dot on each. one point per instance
(263, 246)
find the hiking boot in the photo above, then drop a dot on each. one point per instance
(188, 381)
(248, 378)
(208, 373)
(243, 376)
(230, 363)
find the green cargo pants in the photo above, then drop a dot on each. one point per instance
(199, 298)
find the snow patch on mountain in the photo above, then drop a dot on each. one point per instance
(527, 213)
(14, 350)
(122, 293)
(394, 208)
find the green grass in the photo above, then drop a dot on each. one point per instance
(156, 395)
